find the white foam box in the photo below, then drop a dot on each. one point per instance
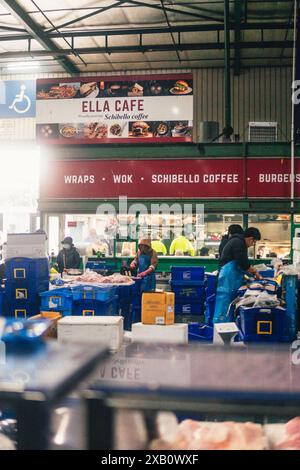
(296, 256)
(105, 330)
(27, 245)
(296, 243)
(176, 333)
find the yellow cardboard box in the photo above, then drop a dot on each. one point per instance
(158, 308)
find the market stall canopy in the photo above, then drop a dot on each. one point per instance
(112, 35)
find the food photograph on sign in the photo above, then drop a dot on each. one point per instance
(108, 109)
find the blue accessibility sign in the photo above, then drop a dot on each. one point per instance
(17, 99)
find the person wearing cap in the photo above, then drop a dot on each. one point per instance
(146, 262)
(234, 264)
(68, 257)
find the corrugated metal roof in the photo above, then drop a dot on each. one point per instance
(110, 35)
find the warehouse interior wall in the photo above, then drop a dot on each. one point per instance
(260, 94)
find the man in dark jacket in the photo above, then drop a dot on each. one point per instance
(236, 249)
(234, 263)
(68, 257)
(232, 229)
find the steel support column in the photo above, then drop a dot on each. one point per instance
(237, 37)
(227, 74)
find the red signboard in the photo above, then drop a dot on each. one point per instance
(143, 179)
(167, 179)
(271, 178)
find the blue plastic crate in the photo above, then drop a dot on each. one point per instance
(95, 307)
(101, 265)
(65, 312)
(22, 308)
(189, 308)
(136, 315)
(125, 293)
(29, 290)
(2, 301)
(200, 332)
(211, 284)
(267, 273)
(26, 269)
(262, 324)
(57, 299)
(187, 273)
(104, 294)
(192, 291)
(290, 292)
(210, 309)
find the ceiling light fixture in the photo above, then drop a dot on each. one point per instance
(23, 65)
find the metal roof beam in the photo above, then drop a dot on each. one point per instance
(146, 48)
(88, 15)
(173, 10)
(155, 30)
(37, 33)
(172, 35)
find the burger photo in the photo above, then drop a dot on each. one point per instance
(139, 128)
(180, 87)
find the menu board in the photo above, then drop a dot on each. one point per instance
(120, 109)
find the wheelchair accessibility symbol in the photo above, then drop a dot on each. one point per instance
(21, 103)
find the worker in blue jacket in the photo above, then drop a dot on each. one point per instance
(234, 265)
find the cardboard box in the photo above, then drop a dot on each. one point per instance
(176, 333)
(54, 317)
(105, 330)
(158, 308)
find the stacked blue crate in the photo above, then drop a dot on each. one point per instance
(125, 299)
(188, 285)
(81, 300)
(2, 297)
(57, 300)
(289, 298)
(94, 300)
(26, 278)
(262, 324)
(136, 302)
(92, 307)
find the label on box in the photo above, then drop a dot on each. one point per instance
(186, 309)
(170, 309)
(186, 275)
(160, 320)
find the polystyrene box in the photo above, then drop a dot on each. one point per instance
(296, 243)
(105, 330)
(176, 333)
(28, 245)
